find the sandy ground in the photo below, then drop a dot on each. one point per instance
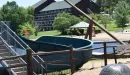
(105, 37)
(94, 67)
(97, 65)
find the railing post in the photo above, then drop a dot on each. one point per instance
(114, 55)
(29, 62)
(72, 60)
(105, 54)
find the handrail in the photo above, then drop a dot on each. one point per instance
(41, 60)
(54, 52)
(65, 51)
(15, 39)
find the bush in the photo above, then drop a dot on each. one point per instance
(28, 27)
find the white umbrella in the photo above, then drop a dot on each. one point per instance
(80, 25)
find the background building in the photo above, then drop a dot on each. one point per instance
(47, 10)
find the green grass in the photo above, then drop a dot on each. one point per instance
(43, 33)
(110, 27)
(113, 27)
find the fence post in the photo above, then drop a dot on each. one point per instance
(72, 60)
(29, 62)
(105, 54)
(114, 55)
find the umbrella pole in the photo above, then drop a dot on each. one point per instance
(97, 24)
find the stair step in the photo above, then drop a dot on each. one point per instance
(1, 42)
(2, 46)
(21, 73)
(3, 50)
(18, 69)
(5, 54)
(12, 61)
(14, 64)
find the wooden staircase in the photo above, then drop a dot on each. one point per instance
(10, 40)
(4, 52)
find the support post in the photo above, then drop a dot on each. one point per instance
(72, 60)
(96, 23)
(105, 54)
(89, 31)
(29, 62)
(114, 55)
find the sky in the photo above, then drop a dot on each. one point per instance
(24, 3)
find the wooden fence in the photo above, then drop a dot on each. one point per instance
(71, 60)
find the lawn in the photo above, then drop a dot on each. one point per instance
(43, 33)
(113, 27)
(110, 27)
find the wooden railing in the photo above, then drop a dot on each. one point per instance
(71, 60)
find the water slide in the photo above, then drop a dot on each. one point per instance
(57, 43)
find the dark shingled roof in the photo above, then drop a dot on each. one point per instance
(38, 3)
(59, 5)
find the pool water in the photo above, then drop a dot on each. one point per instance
(101, 51)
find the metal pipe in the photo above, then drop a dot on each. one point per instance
(97, 24)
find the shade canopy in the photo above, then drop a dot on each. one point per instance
(80, 25)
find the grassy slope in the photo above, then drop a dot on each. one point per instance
(53, 33)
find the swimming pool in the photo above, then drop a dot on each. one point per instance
(100, 44)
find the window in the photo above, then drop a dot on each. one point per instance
(42, 22)
(65, 10)
(69, 9)
(55, 11)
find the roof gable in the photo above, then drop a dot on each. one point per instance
(59, 5)
(38, 3)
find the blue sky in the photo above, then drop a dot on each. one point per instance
(24, 3)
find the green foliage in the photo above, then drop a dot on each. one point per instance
(105, 20)
(26, 26)
(30, 16)
(64, 20)
(1, 17)
(121, 13)
(17, 15)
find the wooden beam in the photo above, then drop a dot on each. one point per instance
(72, 60)
(96, 23)
(65, 51)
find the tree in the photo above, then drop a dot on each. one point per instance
(105, 20)
(64, 20)
(17, 15)
(107, 5)
(30, 17)
(1, 17)
(121, 13)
